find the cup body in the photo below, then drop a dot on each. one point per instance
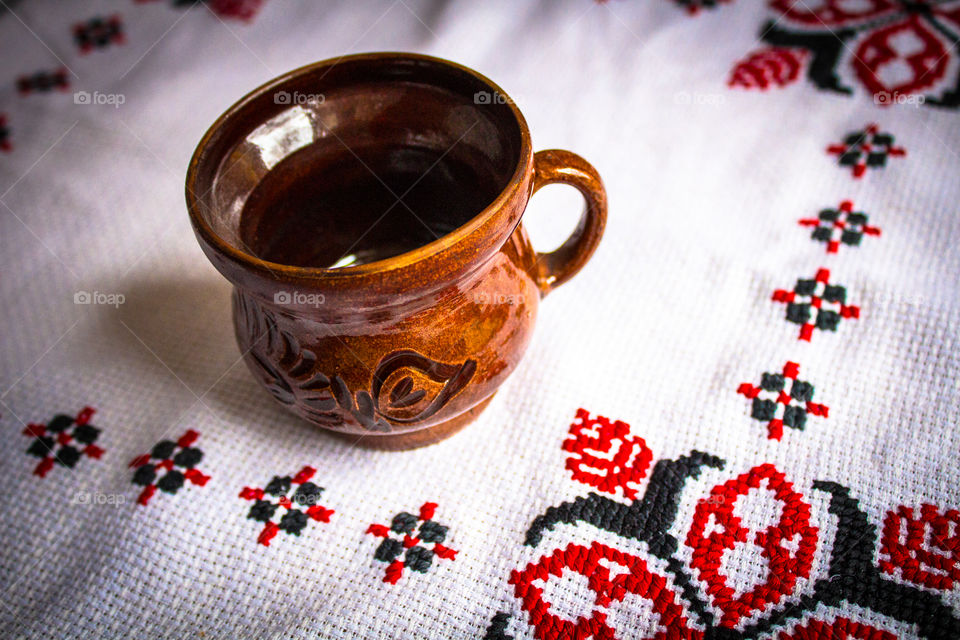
(405, 350)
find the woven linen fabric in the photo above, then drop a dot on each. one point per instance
(739, 420)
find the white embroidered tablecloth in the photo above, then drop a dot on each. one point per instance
(739, 420)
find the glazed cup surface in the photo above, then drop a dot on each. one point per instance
(404, 350)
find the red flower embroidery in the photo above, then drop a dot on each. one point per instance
(925, 549)
(774, 66)
(787, 546)
(896, 49)
(611, 575)
(882, 53)
(242, 9)
(605, 455)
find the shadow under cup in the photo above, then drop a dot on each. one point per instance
(363, 162)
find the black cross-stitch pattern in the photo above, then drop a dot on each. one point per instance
(407, 536)
(299, 507)
(866, 149)
(98, 33)
(43, 81)
(773, 393)
(816, 304)
(498, 627)
(852, 577)
(828, 43)
(63, 441)
(840, 226)
(168, 466)
(648, 519)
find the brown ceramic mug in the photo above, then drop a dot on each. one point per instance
(367, 211)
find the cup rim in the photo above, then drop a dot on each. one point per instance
(292, 272)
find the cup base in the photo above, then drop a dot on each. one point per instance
(417, 439)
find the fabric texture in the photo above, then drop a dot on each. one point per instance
(739, 420)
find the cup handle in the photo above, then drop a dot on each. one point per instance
(552, 166)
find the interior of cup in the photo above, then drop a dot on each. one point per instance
(351, 162)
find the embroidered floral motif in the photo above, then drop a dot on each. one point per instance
(775, 405)
(417, 537)
(98, 33)
(924, 547)
(865, 149)
(611, 575)
(605, 455)
(63, 440)
(816, 304)
(853, 578)
(842, 225)
(177, 460)
(293, 520)
(648, 519)
(787, 545)
(726, 534)
(896, 49)
(774, 66)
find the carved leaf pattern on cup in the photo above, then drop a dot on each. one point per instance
(403, 394)
(293, 378)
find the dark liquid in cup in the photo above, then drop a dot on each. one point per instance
(333, 207)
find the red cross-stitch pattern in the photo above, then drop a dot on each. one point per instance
(611, 575)
(605, 455)
(787, 545)
(771, 67)
(922, 549)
